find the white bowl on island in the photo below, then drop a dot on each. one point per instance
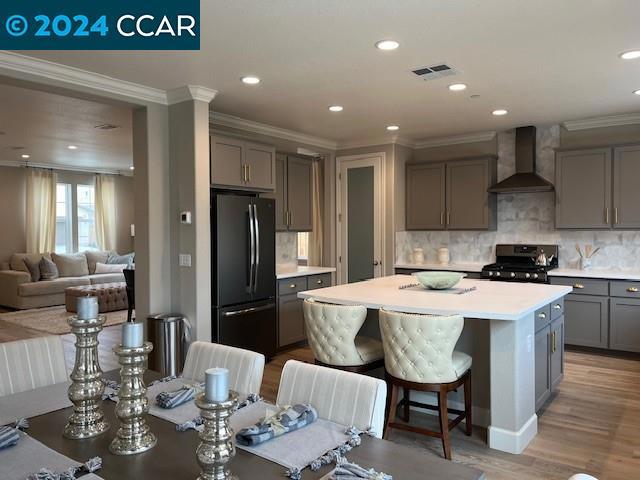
(439, 280)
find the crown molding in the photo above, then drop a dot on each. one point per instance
(224, 120)
(600, 122)
(190, 92)
(377, 141)
(36, 69)
(455, 140)
(64, 168)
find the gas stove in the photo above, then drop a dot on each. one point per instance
(517, 263)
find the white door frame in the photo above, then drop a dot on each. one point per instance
(378, 161)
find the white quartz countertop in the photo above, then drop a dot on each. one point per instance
(617, 274)
(490, 300)
(300, 271)
(450, 267)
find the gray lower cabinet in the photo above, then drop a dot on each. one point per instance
(542, 366)
(586, 320)
(549, 351)
(625, 324)
(556, 354)
(239, 164)
(293, 193)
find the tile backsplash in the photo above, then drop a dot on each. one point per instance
(286, 248)
(525, 218)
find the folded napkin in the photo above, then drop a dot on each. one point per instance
(90, 466)
(8, 437)
(286, 420)
(177, 397)
(352, 471)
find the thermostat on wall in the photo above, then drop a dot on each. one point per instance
(185, 217)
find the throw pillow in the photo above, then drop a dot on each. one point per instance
(95, 256)
(115, 259)
(34, 268)
(48, 269)
(74, 265)
(110, 267)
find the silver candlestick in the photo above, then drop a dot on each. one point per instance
(134, 435)
(217, 447)
(86, 389)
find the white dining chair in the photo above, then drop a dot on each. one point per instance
(332, 332)
(342, 397)
(30, 364)
(245, 367)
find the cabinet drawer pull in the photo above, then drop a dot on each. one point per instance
(542, 315)
(632, 289)
(293, 285)
(319, 282)
(579, 286)
(554, 344)
(557, 306)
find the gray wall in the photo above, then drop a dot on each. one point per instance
(13, 190)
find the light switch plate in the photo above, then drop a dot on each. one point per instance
(185, 217)
(184, 260)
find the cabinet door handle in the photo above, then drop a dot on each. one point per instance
(249, 172)
(615, 215)
(448, 217)
(542, 315)
(557, 306)
(606, 215)
(554, 344)
(579, 286)
(442, 217)
(632, 289)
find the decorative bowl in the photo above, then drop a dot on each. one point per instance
(439, 280)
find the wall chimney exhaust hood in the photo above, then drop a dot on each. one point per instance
(525, 180)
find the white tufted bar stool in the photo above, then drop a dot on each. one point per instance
(332, 334)
(419, 355)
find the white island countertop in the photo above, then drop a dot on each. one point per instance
(489, 300)
(451, 267)
(290, 271)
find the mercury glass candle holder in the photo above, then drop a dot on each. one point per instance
(134, 435)
(86, 389)
(217, 446)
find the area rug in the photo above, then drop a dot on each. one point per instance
(53, 320)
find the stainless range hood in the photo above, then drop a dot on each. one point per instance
(525, 180)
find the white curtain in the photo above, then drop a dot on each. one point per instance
(105, 193)
(317, 200)
(41, 211)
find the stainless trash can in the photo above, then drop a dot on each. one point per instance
(167, 332)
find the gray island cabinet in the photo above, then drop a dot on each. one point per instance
(549, 349)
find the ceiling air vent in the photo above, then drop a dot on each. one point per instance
(107, 126)
(435, 71)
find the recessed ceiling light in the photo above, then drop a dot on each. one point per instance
(72, 147)
(457, 87)
(250, 80)
(25, 156)
(387, 45)
(393, 128)
(499, 112)
(630, 55)
(132, 167)
(637, 92)
(336, 108)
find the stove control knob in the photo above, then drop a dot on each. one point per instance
(497, 274)
(491, 274)
(512, 275)
(527, 275)
(535, 275)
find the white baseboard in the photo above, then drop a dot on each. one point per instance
(510, 441)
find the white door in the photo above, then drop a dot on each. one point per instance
(360, 226)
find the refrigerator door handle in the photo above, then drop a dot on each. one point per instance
(257, 249)
(244, 311)
(252, 251)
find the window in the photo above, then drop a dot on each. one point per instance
(86, 218)
(303, 248)
(64, 239)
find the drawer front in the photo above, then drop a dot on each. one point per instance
(292, 285)
(318, 281)
(583, 286)
(625, 289)
(542, 317)
(557, 308)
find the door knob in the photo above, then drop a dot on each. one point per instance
(376, 263)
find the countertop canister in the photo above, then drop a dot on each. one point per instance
(443, 256)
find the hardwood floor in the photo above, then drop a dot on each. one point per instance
(592, 425)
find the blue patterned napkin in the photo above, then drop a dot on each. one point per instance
(286, 420)
(8, 437)
(177, 397)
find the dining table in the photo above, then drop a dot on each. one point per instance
(174, 457)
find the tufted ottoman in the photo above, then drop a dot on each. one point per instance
(111, 296)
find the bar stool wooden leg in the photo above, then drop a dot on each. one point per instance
(406, 392)
(444, 423)
(468, 406)
(391, 410)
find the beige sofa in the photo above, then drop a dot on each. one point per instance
(18, 291)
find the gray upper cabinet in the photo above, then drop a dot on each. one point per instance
(425, 201)
(238, 164)
(626, 191)
(451, 195)
(469, 206)
(293, 193)
(583, 188)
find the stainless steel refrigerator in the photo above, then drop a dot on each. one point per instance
(244, 271)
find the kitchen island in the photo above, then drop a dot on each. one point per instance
(505, 311)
